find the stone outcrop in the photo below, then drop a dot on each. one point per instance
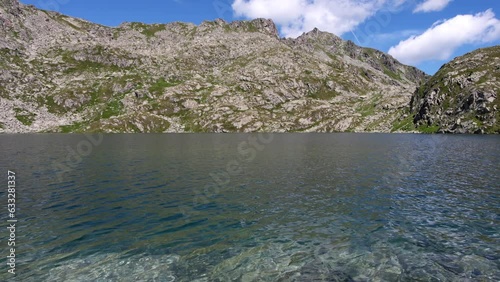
(463, 95)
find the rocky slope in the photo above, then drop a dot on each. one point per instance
(462, 97)
(62, 74)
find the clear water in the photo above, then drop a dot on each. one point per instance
(299, 207)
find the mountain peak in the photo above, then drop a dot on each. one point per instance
(266, 26)
(317, 35)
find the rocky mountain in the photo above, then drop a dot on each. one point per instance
(462, 97)
(63, 74)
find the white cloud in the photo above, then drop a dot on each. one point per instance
(298, 16)
(432, 6)
(444, 37)
(279, 10)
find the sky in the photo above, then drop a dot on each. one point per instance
(421, 33)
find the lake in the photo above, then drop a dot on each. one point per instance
(254, 207)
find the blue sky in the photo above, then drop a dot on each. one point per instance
(423, 33)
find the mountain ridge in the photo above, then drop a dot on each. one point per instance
(63, 74)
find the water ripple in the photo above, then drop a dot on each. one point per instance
(342, 207)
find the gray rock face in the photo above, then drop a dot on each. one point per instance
(9, 4)
(463, 95)
(60, 73)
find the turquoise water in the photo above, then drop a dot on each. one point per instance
(249, 207)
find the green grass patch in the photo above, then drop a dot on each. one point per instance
(367, 110)
(112, 109)
(159, 86)
(24, 117)
(64, 21)
(479, 122)
(250, 27)
(192, 32)
(51, 105)
(392, 74)
(61, 19)
(116, 33)
(428, 129)
(229, 126)
(11, 56)
(369, 107)
(148, 30)
(82, 66)
(318, 88)
(103, 93)
(323, 94)
(73, 128)
(162, 107)
(152, 30)
(369, 52)
(136, 79)
(129, 123)
(3, 92)
(483, 79)
(495, 129)
(375, 124)
(99, 50)
(189, 122)
(194, 127)
(405, 124)
(76, 66)
(365, 74)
